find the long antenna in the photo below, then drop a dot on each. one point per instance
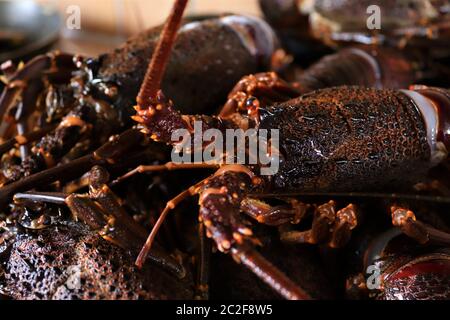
(155, 72)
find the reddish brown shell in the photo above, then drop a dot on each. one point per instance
(75, 263)
(427, 279)
(348, 138)
(209, 57)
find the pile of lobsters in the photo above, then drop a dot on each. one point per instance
(94, 207)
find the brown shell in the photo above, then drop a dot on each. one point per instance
(425, 280)
(75, 263)
(348, 138)
(205, 64)
(359, 66)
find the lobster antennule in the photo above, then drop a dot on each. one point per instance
(155, 72)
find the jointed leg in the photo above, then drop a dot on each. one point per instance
(255, 91)
(23, 139)
(274, 216)
(50, 149)
(169, 207)
(324, 217)
(203, 267)
(346, 221)
(268, 273)
(110, 152)
(28, 83)
(328, 226)
(170, 166)
(103, 195)
(421, 232)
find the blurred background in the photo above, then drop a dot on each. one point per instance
(104, 23)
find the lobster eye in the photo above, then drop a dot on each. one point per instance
(422, 279)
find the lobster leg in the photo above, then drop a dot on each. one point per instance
(328, 226)
(339, 234)
(109, 153)
(28, 85)
(268, 273)
(203, 265)
(27, 81)
(103, 195)
(52, 147)
(169, 207)
(419, 231)
(26, 138)
(28, 104)
(255, 91)
(169, 166)
(346, 221)
(324, 217)
(274, 216)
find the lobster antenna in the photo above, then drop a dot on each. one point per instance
(155, 72)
